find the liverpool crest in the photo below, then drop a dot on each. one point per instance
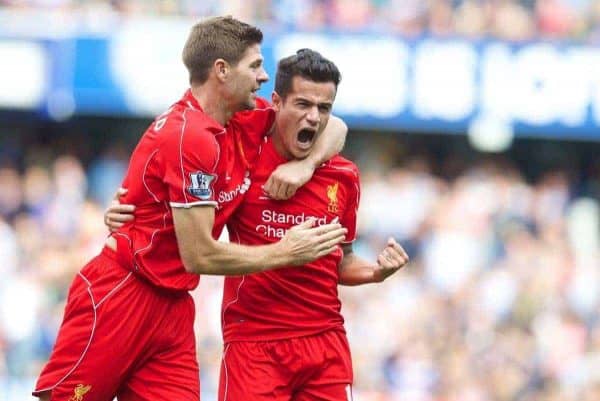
(332, 195)
(79, 391)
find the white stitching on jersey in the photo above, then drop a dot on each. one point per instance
(356, 209)
(144, 176)
(237, 294)
(130, 244)
(181, 155)
(218, 153)
(226, 373)
(152, 236)
(147, 246)
(84, 350)
(354, 173)
(94, 308)
(114, 289)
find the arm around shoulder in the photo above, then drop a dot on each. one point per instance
(202, 254)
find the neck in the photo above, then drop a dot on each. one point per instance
(212, 102)
(279, 146)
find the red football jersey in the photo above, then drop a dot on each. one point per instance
(184, 159)
(245, 133)
(290, 301)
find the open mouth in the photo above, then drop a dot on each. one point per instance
(305, 137)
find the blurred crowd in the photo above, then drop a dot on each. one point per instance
(515, 20)
(500, 301)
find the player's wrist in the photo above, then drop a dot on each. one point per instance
(311, 162)
(377, 275)
(279, 254)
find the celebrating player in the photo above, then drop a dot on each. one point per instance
(128, 324)
(283, 331)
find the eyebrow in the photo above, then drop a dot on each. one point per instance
(299, 98)
(304, 100)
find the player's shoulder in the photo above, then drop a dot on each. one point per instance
(263, 109)
(184, 121)
(339, 165)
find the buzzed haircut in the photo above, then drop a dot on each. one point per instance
(214, 38)
(308, 64)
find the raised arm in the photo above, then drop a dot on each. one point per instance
(288, 177)
(202, 254)
(354, 270)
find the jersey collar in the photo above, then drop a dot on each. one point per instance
(188, 100)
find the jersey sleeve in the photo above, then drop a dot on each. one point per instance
(348, 219)
(189, 156)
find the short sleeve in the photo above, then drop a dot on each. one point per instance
(189, 156)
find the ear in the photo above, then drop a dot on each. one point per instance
(276, 100)
(221, 69)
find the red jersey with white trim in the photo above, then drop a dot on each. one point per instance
(184, 159)
(240, 147)
(290, 301)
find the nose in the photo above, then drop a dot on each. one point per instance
(262, 76)
(313, 116)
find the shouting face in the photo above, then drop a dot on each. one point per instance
(302, 116)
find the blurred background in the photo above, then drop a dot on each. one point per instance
(476, 125)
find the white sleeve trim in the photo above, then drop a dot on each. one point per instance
(192, 204)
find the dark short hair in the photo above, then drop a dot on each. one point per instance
(214, 38)
(308, 64)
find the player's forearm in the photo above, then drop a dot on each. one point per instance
(229, 259)
(356, 271)
(202, 254)
(330, 142)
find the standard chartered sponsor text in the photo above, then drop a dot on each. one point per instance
(270, 216)
(228, 196)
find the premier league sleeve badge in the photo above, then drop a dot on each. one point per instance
(201, 185)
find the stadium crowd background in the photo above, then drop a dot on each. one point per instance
(501, 299)
(518, 20)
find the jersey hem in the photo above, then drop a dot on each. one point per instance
(285, 336)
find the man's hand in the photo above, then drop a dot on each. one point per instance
(305, 243)
(390, 260)
(117, 214)
(287, 178)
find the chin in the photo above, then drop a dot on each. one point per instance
(301, 154)
(249, 104)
